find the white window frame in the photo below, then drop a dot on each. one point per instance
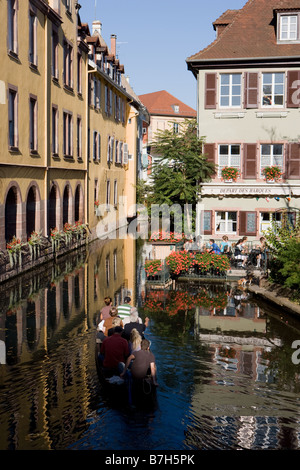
(12, 26)
(230, 87)
(268, 98)
(272, 156)
(33, 38)
(33, 123)
(228, 223)
(54, 130)
(233, 160)
(13, 127)
(67, 134)
(291, 34)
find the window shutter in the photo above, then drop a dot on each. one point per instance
(247, 223)
(209, 152)
(125, 154)
(210, 90)
(293, 161)
(251, 90)
(112, 149)
(293, 89)
(249, 161)
(207, 222)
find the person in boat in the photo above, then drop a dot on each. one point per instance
(116, 321)
(135, 341)
(124, 309)
(135, 322)
(107, 325)
(114, 352)
(143, 363)
(104, 312)
(134, 311)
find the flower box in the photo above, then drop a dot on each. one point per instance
(230, 174)
(272, 173)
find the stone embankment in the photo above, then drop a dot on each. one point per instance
(276, 295)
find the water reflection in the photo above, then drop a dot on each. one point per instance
(224, 361)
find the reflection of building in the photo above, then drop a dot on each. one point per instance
(255, 54)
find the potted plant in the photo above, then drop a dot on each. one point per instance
(179, 262)
(152, 267)
(272, 173)
(230, 174)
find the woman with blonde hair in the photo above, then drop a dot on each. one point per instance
(134, 341)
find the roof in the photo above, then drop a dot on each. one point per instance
(251, 33)
(162, 103)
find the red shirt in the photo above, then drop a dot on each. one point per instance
(115, 350)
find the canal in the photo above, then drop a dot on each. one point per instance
(227, 370)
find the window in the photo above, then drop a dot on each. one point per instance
(33, 123)
(68, 65)
(67, 134)
(230, 90)
(115, 192)
(266, 219)
(175, 127)
(226, 222)
(273, 89)
(79, 73)
(13, 117)
(96, 146)
(107, 194)
(229, 155)
(54, 54)
(79, 137)
(271, 154)
(12, 26)
(288, 27)
(33, 38)
(54, 130)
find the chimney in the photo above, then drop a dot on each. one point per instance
(113, 44)
(97, 28)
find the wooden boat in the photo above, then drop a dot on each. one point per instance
(141, 393)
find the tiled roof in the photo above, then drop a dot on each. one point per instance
(162, 103)
(251, 33)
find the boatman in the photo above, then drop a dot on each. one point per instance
(124, 309)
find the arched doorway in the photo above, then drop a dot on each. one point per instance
(31, 211)
(11, 214)
(52, 209)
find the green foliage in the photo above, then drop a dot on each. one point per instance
(284, 243)
(177, 176)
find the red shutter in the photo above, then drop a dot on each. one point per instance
(210, 90)
(209, 152)
(293, 89)
(251, 90)
(249, 161)
(293, 161)
(247, 223)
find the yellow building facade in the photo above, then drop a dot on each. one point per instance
(64, 115)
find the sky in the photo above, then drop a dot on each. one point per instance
(155, 38)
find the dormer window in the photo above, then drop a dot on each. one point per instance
(175, 108)
(288, 27)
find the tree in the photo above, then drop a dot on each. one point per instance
(181, 168)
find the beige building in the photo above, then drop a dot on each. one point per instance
(64, 122)
(248, 112)
(166, 113)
